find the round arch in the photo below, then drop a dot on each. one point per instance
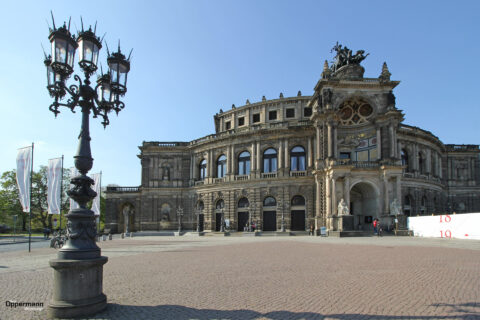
(365, 204)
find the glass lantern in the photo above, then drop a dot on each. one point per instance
(104, 91)
(89, 46)
(63, 51)
(119, 68)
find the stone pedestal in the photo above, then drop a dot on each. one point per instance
(346, 223)
(78, 288)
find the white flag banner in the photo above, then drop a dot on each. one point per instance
(54, 185)
(24, 168)
(97, 177)
(73, 173)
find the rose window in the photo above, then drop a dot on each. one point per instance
(355, 111)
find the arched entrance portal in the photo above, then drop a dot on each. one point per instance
(363, 205)
(297, 212)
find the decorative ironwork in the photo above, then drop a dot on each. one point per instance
(100, 100)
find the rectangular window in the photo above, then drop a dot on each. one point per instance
(290, 113)
(272, 115)
(241, 121)
(228, 125)
(307, 112)
(256, 118)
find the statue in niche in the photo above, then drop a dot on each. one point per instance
(165, 173)
(395, 207)
(343, 208)
(127, 212)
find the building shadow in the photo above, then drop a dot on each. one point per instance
(177, 312)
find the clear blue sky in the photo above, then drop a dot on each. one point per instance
(192, 58)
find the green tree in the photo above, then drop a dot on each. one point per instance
(9, 200)
(10, 203)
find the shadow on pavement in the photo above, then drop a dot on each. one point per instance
(177, 312)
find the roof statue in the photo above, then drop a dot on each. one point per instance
(345, 57)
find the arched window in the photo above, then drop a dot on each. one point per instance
(243, 203)
(404, 155)
(434, 164)
(244, 163)
(421, 163)
(221, 166)
(423, 207)
(297, 159)
(220, 204)
(269, 202)
(298, 201)
(203, 169)
(407, 205)
(270, 160)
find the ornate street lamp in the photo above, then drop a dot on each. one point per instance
(222, 220)
(251, 214)
(78, 269)
(282, 206)
(180, 215)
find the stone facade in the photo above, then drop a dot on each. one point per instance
(290, 161)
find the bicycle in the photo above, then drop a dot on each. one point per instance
(58, 239)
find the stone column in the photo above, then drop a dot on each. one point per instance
(229, 161)
(346, 190)
(392, 141)
(379, 144)
(287, 157)
(334, 147)
(428, 164)
(252, 158)
(399, 189)
(334, 197)
(318, 143)
(192, 167)
(330, 142)
(210, 164)
(259, 159)
(280, 153)
(385, 191)
(309, 152)
(317, 201)
(328, 196)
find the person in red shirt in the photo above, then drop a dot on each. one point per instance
(375, 226)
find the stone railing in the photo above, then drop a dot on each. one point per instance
(462, 147)
(269, 175)
(218, 180)
(164, 144)
(365, 164)
(298, 173)
(123, 189)
(242, 177)
(199, 183)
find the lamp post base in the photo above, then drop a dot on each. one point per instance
(78, 286)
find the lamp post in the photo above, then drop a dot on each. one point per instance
(251, 214)
(283, 206)
(180, 215)
(197, 213)
(222, 220)
(78, 269)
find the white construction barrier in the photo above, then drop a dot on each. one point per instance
(460, 226)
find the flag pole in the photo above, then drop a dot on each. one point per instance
(30, 208)
(99, 202)
(61, 194)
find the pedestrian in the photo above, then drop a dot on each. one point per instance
(311, 233)
(375, 226)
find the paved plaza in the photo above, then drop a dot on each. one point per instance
(266, 278)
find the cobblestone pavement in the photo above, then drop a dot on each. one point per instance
(266, 278)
